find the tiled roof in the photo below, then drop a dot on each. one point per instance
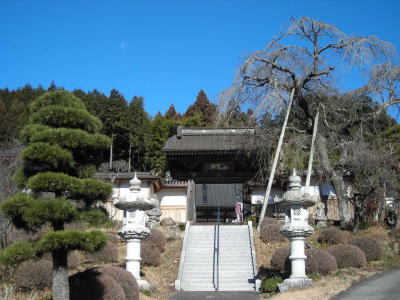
(209, 139)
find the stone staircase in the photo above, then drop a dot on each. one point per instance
(232, 268)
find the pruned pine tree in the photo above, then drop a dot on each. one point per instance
(62, 142)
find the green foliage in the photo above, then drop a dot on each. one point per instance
(53, 210)
(14, 208)
(25, 210)
(87, 189)
(270, 285)
(203, 108)
(20, 178)
(47, 156)
(16, 253)
(72, 138)
(59, 98)
(96, 217)
(30, 130)
(71, 240)
(59, 116)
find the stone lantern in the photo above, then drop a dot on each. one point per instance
(134, 229)
(296, 229)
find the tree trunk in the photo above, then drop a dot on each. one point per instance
(336, 181)
(111, 151)
(312, 150)
(130, 154)
(60, 275)
(357, 216)
(275, 162)
(382, 204)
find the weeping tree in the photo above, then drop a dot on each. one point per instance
(304, 60)
(62, 146)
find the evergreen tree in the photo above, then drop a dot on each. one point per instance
(171, 113)
(159, 130)
(137, 121)
(203, 108)
(62, 144)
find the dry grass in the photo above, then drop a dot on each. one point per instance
(376, 232)
(328, 286)
(264, 251)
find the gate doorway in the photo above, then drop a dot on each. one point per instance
(210, 196)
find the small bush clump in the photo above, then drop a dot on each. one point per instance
(167, 222)
(109, 253)
(372, 248)
(34, 275)
(332, 236)
(394, 235)
(94, 285)
(280, 259)
(74, 259)
(157, 239)
(270, 231)
(320, 261)
(348, 256)
(271, 284)
(125, 279)
(150, 254)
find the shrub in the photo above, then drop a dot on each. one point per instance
(372, 248)
(125, 279)
(150, 254)
(280, 259)
(347, 256)
(74, 259)
(34, 275)
(157, 239)
(394, 235)
(94, 285)
(320, 261)
(376, 232)
(167, 222)
(271, 284)
(270, 232)
(332, 236)
(109, 253)
(113, 238)
(268, 220)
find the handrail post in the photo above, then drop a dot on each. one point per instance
(218, 221)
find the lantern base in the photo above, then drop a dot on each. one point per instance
(295, 283)
(144, 285)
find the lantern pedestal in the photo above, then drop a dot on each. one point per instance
(134, 229)
(296, 229)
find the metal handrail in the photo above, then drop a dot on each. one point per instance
(216, 252)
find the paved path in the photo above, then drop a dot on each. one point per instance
(216, 295)
(385, 285)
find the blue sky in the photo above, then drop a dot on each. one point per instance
(165, 50)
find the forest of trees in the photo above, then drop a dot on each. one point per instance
(137, 137)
